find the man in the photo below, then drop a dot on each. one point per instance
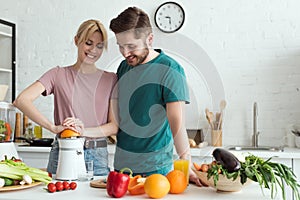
(152, 95)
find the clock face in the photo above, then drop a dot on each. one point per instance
(169, 17)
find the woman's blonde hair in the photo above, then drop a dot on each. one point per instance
(87, 28)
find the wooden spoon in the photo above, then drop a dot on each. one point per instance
(222, 107)
(209, 117)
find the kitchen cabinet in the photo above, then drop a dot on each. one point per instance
(8, 58)
(33, 156)
(296, 169)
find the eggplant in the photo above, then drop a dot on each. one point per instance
(227, 160)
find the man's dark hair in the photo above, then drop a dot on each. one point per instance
(132, 19)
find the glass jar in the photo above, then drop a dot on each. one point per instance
(7, 122)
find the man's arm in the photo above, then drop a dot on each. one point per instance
(176, 117)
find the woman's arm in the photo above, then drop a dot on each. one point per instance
(24, 102)
(110, 128)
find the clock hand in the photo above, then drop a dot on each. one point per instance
(169, 19)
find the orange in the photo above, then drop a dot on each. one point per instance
(67, 133)
(156, 186)
(177, 181)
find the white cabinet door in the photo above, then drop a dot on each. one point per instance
(296, 169)
(35, 159)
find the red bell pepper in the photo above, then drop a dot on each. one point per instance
(117, 183)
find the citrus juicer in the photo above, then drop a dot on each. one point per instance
(7, 125)
(71, 158)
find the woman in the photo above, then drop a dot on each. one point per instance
(82, 98)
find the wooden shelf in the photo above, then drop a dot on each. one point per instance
(5, 70)
(5, 34)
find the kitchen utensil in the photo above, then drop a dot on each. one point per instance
(25, 124)
(209, 117)
(41, 142)
(7, 122)
(8, 149)
(18, 126)
(19, 187)
(216, 138)
(99, 183)
(218, 114)
(71, 158)
(222, 107)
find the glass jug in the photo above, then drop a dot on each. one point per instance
(7, 122)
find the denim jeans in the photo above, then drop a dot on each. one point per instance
(98, 155)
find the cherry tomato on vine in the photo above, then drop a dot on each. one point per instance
(59, 186)
(66, 185)
(73, 185)
(51, 187)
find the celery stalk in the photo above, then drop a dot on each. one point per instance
(20, 169)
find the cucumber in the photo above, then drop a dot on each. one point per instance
(8, 182)
(227, 160)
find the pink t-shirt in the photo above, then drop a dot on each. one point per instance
(84, 96)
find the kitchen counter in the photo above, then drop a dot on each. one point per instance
(39, 156)
(203, 152)
(84, 191)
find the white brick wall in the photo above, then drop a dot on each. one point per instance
(255, 46)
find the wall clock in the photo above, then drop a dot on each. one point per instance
(169, 17)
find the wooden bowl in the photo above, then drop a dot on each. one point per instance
(223, 184)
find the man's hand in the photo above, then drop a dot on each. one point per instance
(194, 178)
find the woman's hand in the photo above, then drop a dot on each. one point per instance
(74, 124)
(56, 129)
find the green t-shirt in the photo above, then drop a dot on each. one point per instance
(144, 140)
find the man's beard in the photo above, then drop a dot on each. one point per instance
(139, 59)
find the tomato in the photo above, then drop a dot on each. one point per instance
(49, 174)
(51, 187)
(73, 185)
(66, 185)
(59, 186)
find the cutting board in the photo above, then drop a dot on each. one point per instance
(99, 183)
(19, 187)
